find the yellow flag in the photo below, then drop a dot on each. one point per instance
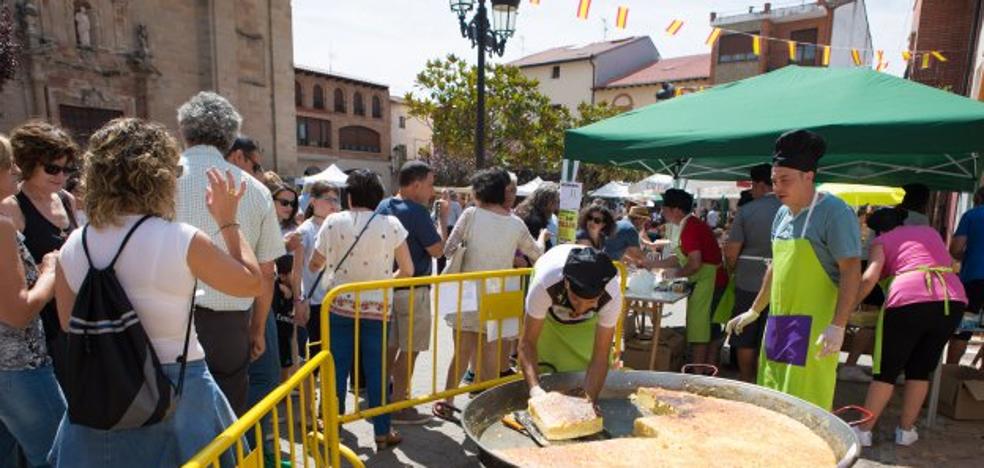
(792, 51)
(535, 2)
(938, 56)
(856, 56)
(674, 27)
(622, 17)
(925, 61)
(583, 7)
(906, 55)
(713, 36)
(826, 56)
(756, 45)
(880, 56)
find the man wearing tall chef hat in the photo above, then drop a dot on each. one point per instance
(811, 285)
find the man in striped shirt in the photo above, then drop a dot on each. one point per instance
(231, 329)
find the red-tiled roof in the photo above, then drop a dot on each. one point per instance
(570, 53)
(689, 67)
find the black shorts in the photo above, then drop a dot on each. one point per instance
(913, 338)
(717, 330)
(751, 335)
(975, 302)
(285, 339)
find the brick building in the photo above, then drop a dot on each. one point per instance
(342, 120)
(951, 27)
(87, 61)
(842, 24)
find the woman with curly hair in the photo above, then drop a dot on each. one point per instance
(537, 210)
(32, 402)
(130, 175)
(595, 225)
(42, 210)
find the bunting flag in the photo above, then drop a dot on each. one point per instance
(756, 45)
(713, 36)
(678, 92)
(880, 56)
(938, 56)
(925, 61)
(792, 50)
(583, 7)
(674, 27)
(906, 56)
(534, 2)
(882, 66)
(622, 17)
(856, 56)
(826, 56)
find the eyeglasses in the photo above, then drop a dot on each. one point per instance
(597, 220)
(286, 203)
(55, 169)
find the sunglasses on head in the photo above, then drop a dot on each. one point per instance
(55, 169)
(286, 203)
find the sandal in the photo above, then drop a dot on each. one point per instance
(388, 440)
(446, 411)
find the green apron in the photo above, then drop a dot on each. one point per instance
(803, 303)
(701, 297)
(722, 313)
(566, 347)
(929, 273)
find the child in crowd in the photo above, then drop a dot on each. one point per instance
(283, 312)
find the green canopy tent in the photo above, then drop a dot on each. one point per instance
(880, 130)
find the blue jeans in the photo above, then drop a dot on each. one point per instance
(264, 375)
(31, 407)
(342, 335)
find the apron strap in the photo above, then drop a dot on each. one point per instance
(809, 214)
(938, 272)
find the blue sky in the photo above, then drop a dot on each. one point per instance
(389, 41)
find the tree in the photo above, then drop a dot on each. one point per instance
(524, 131)
(9, 47)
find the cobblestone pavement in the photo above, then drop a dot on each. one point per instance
(440, 444)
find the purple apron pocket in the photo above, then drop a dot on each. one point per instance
(787, 338)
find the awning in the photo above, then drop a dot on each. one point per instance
(880, 129)
(612, 190)
(332, 175)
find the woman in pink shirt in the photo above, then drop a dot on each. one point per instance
(923, 307)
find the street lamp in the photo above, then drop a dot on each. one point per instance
(489, 38)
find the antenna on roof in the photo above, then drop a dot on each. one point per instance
(604, 27)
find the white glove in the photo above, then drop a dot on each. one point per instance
(537, 391)
(831, 340)
(737, 324)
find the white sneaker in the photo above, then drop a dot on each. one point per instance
(863, 436)
(853, 374)
(906, 438)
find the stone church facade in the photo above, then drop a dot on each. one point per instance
(85, 62)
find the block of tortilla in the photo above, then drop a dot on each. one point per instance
(561, 417)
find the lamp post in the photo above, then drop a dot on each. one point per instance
(489, 38)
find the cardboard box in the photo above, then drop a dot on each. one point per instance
(669, 355)
(962, 392)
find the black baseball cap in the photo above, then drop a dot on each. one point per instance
(587, 271)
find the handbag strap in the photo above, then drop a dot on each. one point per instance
(321, 273)
(184, 352)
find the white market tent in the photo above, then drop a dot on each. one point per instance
(656, 183)
(612, 190)
(528, 188)
(332, 175)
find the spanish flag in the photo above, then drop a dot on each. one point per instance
(622, 17)
(925, 61)
(938, 56)
(880, 56)
(534, 2)
(906, 56)
(826, 56)
(713, 36)
(674, 27)
(882, 66)
(856, 56)
(792, 51)
(583, 7)
(756, 45)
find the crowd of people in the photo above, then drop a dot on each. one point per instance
(225, 267)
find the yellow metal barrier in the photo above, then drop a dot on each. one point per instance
(319, 446)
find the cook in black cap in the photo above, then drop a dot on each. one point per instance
(573, 304)
(812, 284)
